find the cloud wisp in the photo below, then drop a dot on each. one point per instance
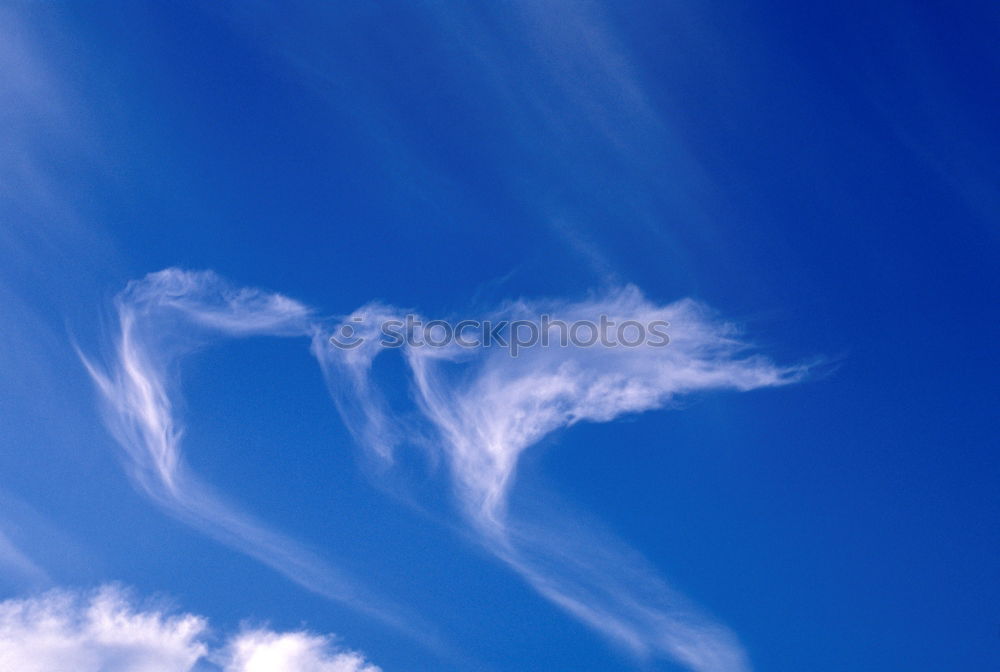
(105, 631)
(484, 409)
(478, 409)
(160, 319)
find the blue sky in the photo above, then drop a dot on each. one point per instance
(194, 197)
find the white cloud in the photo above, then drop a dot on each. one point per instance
(104, 631)
(485, 408)
(161, 318)
(68, 632)
(478, 409)
(267, 651)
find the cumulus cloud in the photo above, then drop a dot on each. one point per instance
(267, 651)
(105, 631)
(478, 409)
(64, 631)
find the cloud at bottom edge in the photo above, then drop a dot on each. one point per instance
(108, 630)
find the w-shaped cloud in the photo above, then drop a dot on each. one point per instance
(478, 408)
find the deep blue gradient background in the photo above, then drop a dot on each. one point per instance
(826, 176)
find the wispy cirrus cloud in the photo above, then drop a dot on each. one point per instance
(485, 408)
(105, 630)
(479, 409)
(160, 319)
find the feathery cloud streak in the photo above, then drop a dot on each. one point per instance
(480, 409)
(486, 408)
(160, 319)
